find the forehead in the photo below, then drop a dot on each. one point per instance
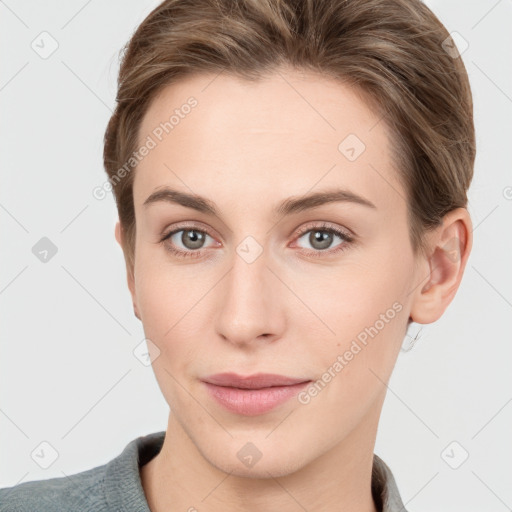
(287, 131)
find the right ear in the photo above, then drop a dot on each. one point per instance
(129, 271)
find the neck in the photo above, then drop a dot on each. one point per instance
(181, 478)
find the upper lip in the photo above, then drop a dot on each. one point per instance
(256, 381)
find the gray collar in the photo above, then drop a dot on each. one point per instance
(384, 488)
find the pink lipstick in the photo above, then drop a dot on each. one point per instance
(253, 394)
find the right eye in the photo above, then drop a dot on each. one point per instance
(191, 239)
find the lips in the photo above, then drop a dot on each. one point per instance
(253, 394)
(256, 381)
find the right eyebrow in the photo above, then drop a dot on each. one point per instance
(169, 195)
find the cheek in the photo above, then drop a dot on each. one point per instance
(171, 317)
(364, 308)
(166, 306)
(161, 288)
(171, 300)
(366, 312)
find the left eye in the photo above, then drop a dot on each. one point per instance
(321, 239)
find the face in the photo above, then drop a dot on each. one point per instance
(266, 274)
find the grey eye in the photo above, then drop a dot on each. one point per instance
(320, 239)
(191, 239)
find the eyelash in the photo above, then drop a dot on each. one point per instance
(326, 228)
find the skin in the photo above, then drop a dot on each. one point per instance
(247, 147)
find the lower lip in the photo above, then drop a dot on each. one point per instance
(251, 402)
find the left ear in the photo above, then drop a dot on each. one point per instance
(450, 246)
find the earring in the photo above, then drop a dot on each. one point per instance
(412, 335)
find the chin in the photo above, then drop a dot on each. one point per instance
(256, 460)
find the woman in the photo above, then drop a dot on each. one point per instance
(291, 183)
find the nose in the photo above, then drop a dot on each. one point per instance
(250, 303)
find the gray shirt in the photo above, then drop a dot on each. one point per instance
(116, 486)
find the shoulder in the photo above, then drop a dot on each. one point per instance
(82, 491)
(111, 487)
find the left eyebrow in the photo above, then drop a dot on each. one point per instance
(286, 207)
(307, 202)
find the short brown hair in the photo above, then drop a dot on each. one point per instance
(391, 51)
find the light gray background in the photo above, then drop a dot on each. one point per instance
(67, 372)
